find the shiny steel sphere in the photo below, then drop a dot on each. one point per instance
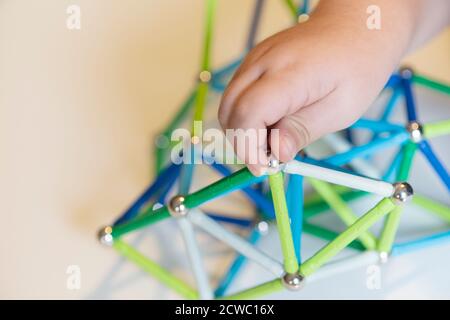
(177, 207)
(384, 257)
(105, 236)
(406, 72)
(415, 131)
(293, 281)
(273, 166)
(403, 192)
(205, 76)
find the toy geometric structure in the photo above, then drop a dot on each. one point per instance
(336, 181)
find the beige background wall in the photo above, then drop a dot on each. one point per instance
(78, 110)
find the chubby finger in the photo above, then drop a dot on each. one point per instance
(307, 125)
(235, 89)
(263, 104)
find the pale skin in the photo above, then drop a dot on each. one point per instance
(321, 75)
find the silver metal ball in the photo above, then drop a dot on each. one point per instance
(274, 163)
(406, 72)
(415, 130)
(303, 18)
(105, 236)
(384, 257)
(293, 281)
(205, 76)
(176, 207)
(273, 166)
(403, 192)
(263, 227)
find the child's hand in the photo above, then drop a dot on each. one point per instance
(312, 79)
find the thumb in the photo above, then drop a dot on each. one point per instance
(296, 131)
(289, 136)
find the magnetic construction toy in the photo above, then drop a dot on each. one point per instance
(336, 180)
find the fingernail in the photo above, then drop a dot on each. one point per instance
(256, 170)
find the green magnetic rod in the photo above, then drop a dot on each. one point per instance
(382, 208)
(155, 270)
(436, 129)
(235, 181)
(326, 234)
(438, 209)
(392, 222)
(260, 290)
(276, 183)
(344, 212)
(314, 207)
(354, 231)
(432, 84)
(210, 11)
(205, 74)
(315, 198)
(435, 207)
(180, 116)
(200, 102)
(197, 98)
(292, 8)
